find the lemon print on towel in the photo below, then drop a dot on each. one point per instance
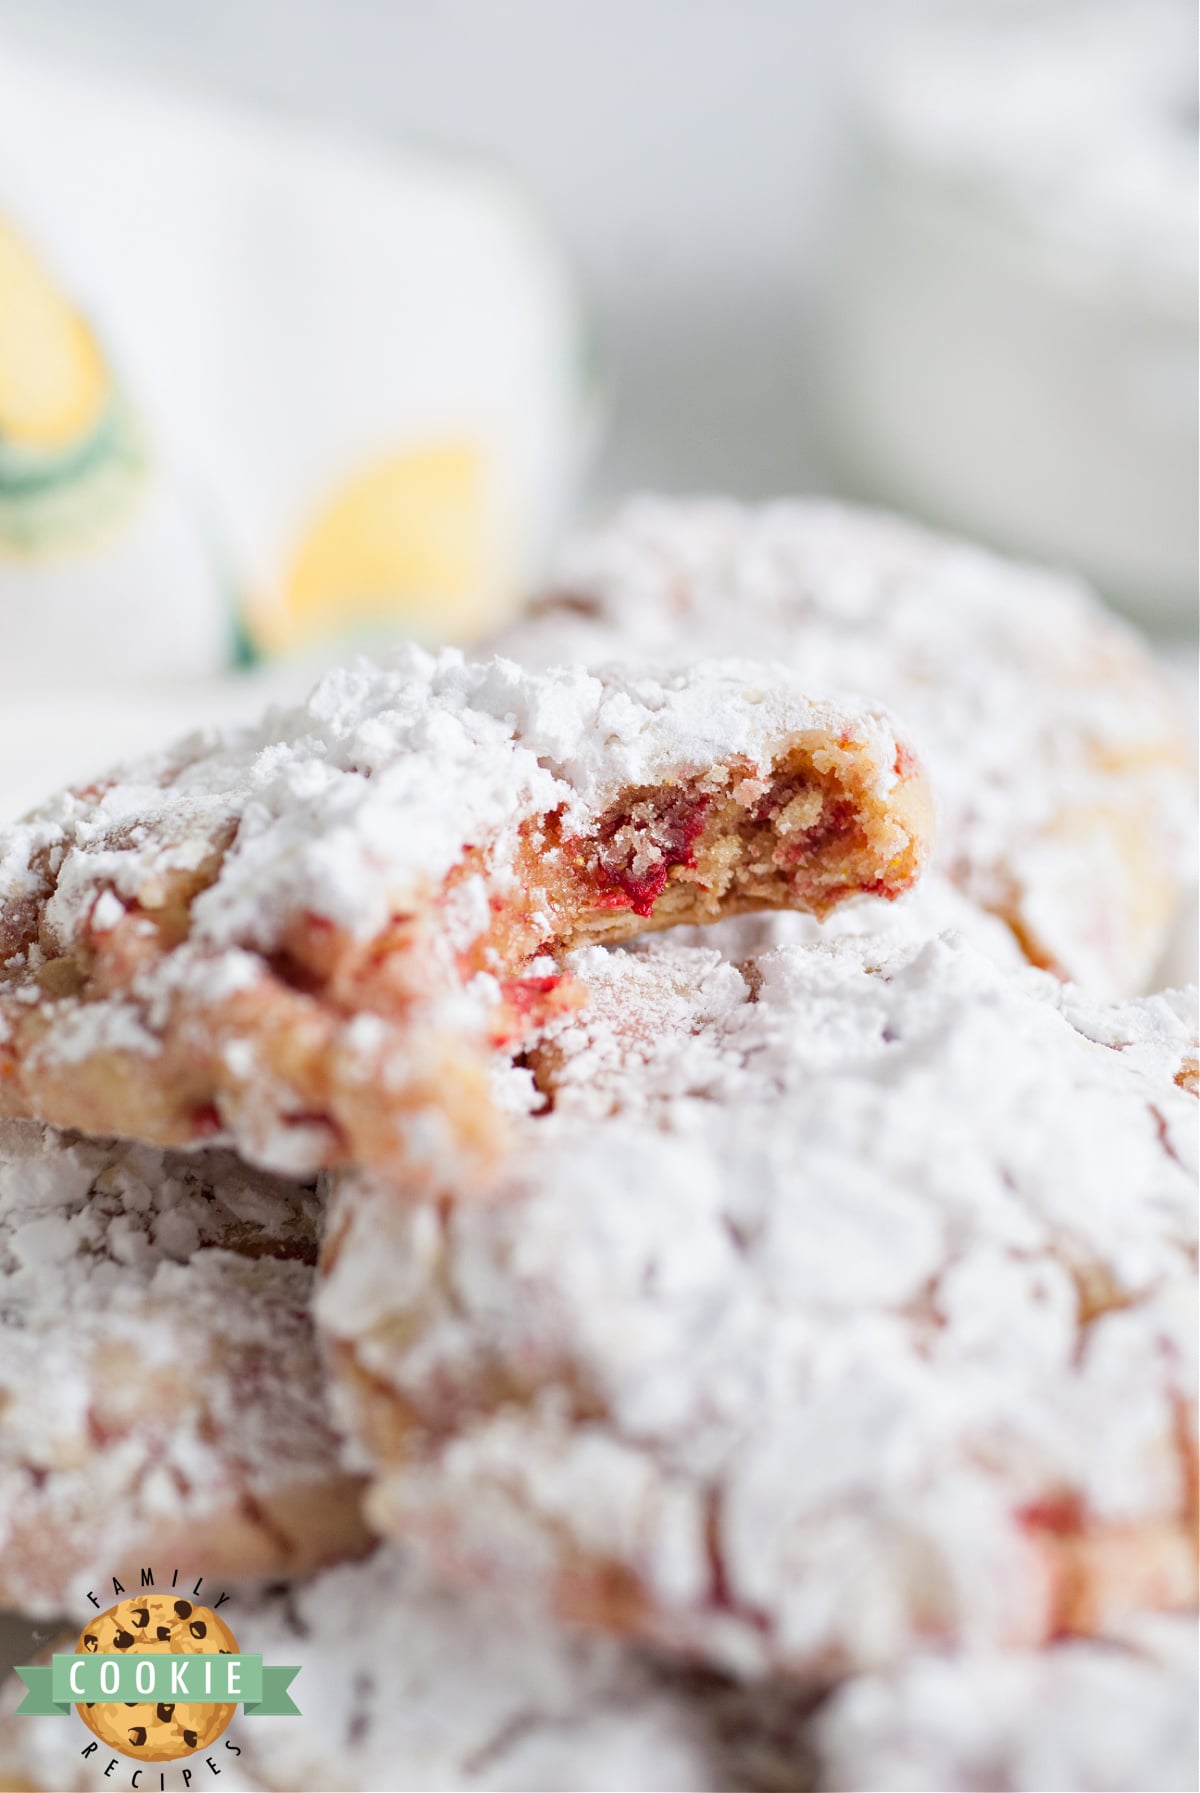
(407, 540)
(70, 458)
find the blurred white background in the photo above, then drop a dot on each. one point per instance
(696, 159)
(685, 151)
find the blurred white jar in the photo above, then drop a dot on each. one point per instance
(1013, 332)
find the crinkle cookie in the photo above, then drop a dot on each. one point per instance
(307, 936)
(1054, 744)
(160, 1389)
(840, 1305)
(1116, 1715)
(1112, 1717)
(404, 1685)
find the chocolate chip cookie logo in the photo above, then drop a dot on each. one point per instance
(157, 1678)
(153, 1729)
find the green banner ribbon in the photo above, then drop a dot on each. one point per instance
(276, 1701)
(197, 1680)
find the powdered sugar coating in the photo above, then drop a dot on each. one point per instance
(292, 933)
(159, 1383)
(1055, 746)
(933, 906)
(357, 803)
(857, 1254)
(1099, 1718)
(403, 1685)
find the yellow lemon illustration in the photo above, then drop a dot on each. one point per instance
(72, 460)
(405, 538)
(157, 1625)
(54, 385)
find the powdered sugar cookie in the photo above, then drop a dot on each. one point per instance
(307, 935)
(1054, 744)
(1116, 1716)
(403, 1685)
(841, 1305)
(160, 1392)
(1098, 1718)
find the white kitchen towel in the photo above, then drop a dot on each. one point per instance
(259, 385)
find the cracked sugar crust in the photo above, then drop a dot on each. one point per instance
(1098, 1718)
(308, 936)
(1055, 746)
(406, 1685)
(857, 1254)
(671, 1019)
(161, 1393)
(1115, 1716)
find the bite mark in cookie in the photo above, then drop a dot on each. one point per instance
(1055, 743)
(309, 936)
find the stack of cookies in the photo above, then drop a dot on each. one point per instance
(622, 1193)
